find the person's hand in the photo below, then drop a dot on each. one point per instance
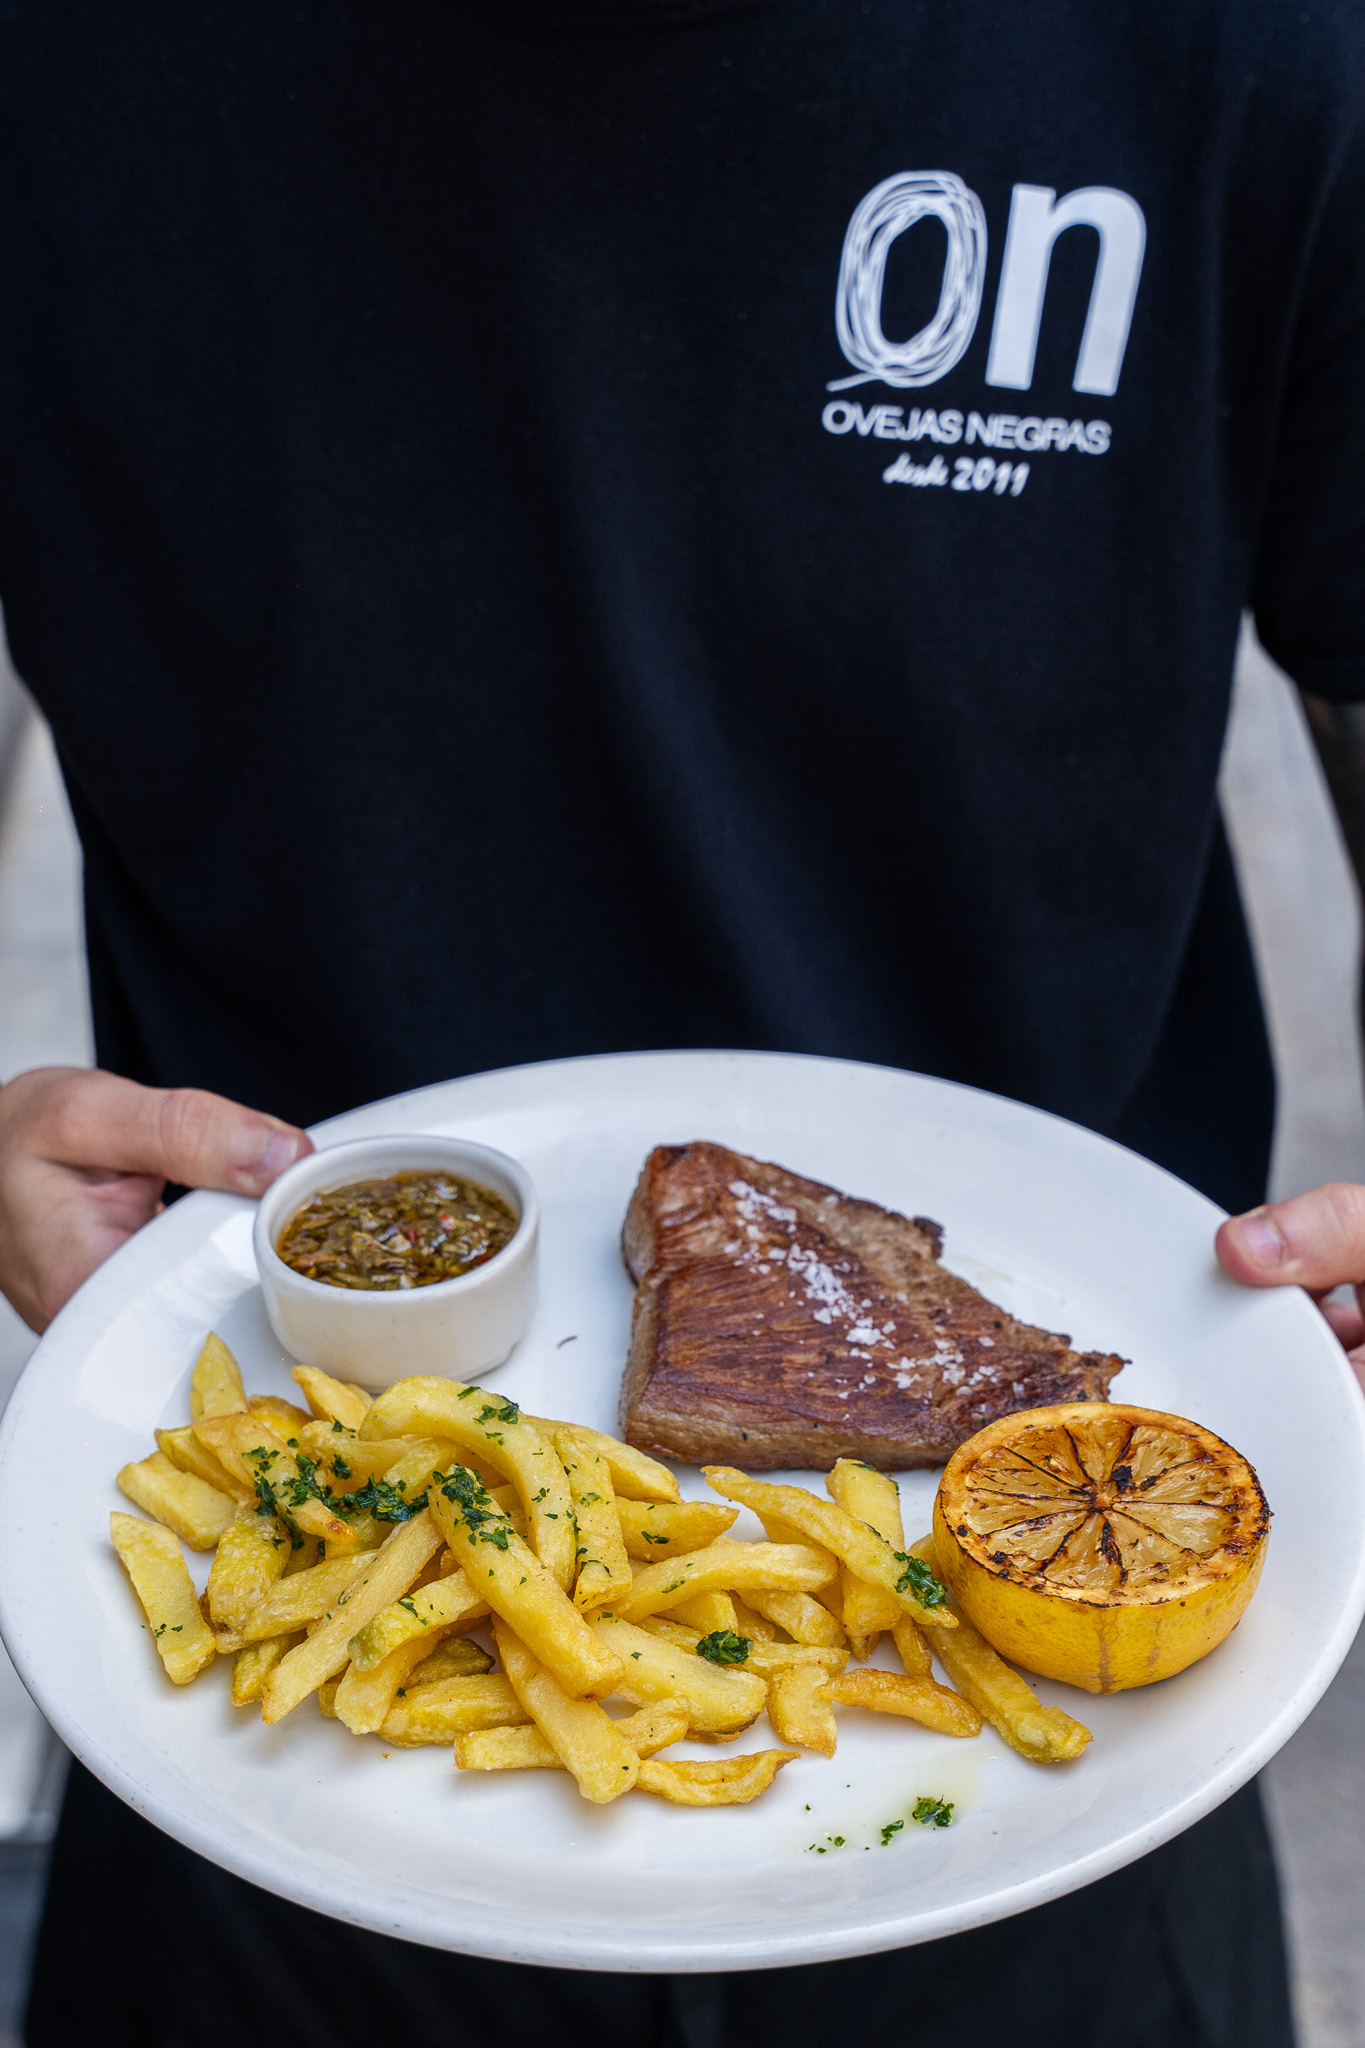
(1315, 1241)
(84, 1158)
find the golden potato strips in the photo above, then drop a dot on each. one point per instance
(454, 1657)
(155, 1563)
(582, 1734)
(652, 1529)
(250, 1558)
(721, 1568)
(603, 1567)
(747, 1623)
(455, 1707)
(492, 1430)
(197, 1513)
(1042, 1734)
(251, 1446)
(444, 1602)
(719, 1701)
(804, 1619)
(867, 1555)
(707, 1612)
(216, 1382)
(874, 1497)
(732, 1782)
(332, 1400)
(287, 1416)
(633, 1475)
(769, 1660)
(253, 1665)
(187, 1454)
(327, 1698)
(916, 1699)
(506, 1573)
(302, 1598)
(912, 1648)
(364, 1697)
(384, 1578)
(800, 1708)
(525, 1749)
(506, 1749)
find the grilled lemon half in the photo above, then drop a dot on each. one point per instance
(1104, 1545)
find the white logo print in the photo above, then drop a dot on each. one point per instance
(1037, 218)
(887, 211)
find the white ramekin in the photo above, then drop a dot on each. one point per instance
(459, 1327)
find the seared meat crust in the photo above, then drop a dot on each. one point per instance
(779, 1323)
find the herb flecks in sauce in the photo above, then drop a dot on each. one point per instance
(411, 1230)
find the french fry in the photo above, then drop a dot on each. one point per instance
(867, 1555)
(327, 1698)
(216, 1382)
(155, 1563)
(443, 1603)
(525, 1749)
(197, 1513)
(383, 1578)
(603, 1567)
(722, 1568)
(874, 1498)
(800, 1710)
(506, 1749)
(303, 1598)
(187, 1454)
(634, 1476)
(517, 1586)
(719, 1700)
(749, 1623)
(912, 1648)
(999, 1694)
(765, 1659)
(253, 1665)
(332, 1400)
(252, 1447)
(582, 1734)
(251, 1556)
(706, 1613)
(287, 1416)
(457, 1706)
(733, 1781)
(453, 1657)
(493, 1430)
(916, 1699)
(804, 1618)
(652, 1529)
(365, 1697)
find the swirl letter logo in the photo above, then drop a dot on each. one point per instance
(887, 211)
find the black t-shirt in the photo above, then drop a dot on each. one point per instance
(544, 529)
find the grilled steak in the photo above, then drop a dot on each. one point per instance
(779, 1323)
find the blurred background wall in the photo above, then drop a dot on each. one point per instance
(1305, 919)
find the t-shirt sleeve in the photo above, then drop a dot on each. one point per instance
(1308, 582)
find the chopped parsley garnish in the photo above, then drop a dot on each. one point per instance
(933, 1813)
(340, 1469)
(893, 1827)
(483, 1518)
(919, 1580)
(650, 1537)
(723, 1646)
(501, 1411)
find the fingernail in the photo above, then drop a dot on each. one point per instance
(281, 1149)
(1262, 1240)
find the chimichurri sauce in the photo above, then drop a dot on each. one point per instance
(408, 1231)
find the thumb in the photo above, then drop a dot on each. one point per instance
(180, 1134)
(1315, 1240)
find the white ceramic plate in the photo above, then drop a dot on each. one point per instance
(1057, 1224)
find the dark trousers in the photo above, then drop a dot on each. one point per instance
(152, 1947)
